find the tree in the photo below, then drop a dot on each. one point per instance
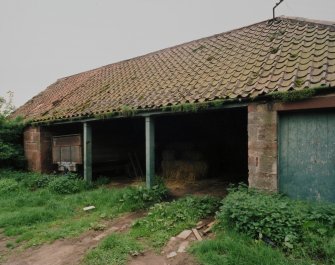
(6, 105)
(11, 134)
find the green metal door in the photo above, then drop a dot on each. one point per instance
(307, 155)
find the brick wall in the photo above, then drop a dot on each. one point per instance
(37, 148)
(262, 145)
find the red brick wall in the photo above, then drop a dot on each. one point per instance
(37, 148)
(262, 145)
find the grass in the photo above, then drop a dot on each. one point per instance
(114, 250)
(167, 219)
(37, 216)
(163, 221)
(230, 248)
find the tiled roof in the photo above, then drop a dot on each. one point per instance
(288, 53)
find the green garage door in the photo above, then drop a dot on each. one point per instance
(307, 155)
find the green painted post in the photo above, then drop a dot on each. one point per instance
(149, 150)
(87, 152)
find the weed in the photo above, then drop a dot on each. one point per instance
(301, 228)
(97, 226)
(126, 111)
(169, 218)
(298, 82)
(293, 55)
(232, 248)
(276, 35)
(142, 197)
(66, 185)
(199, 48)
(113, 251)
(10, 245)
(8, 185)
(274, 50)
(163, 221)
(295, 95)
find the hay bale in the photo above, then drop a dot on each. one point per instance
(168, 155)
(183, 170)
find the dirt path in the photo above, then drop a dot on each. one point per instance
(71, 251)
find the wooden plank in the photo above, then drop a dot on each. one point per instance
(87, 152)
(197, 235)
(149, 150)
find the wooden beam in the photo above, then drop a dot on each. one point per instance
(87, 152)
(149, 150)
(320, 102)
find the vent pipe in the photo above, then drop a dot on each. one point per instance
(274, 8)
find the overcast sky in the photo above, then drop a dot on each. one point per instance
(43, 40)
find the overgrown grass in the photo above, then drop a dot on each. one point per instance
(231, 248)
(163, 221)
(34, 213)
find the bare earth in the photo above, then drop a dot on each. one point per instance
(71, 251)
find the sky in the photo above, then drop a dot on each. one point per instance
(44, 40)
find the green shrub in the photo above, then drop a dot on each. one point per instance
(66, 185)
(303, 227)
(37, 181)
(141, 197)
(8, 185)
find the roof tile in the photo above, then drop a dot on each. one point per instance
(246, 62)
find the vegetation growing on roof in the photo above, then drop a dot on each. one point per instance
(295, 95)
(276, 35)
(127, 111)
(298, 82)
(197, 106)
(274, 50)
(293, 55)
(199, 48)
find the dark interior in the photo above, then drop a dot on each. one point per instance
(215, 139)
(219, 138)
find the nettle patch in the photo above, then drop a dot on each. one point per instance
(297, 227)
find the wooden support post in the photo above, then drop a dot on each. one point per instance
(87, 152)
(150, 150)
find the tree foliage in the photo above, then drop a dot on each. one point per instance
(11, 132)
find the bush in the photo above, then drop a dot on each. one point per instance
(11, 137)
(67, 184)
(30, 180)
(141, 197)
(36, 181)
(8, 185)
(280, 221)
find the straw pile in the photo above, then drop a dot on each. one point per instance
(187, 169)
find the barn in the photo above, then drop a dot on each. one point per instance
(255, 105)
